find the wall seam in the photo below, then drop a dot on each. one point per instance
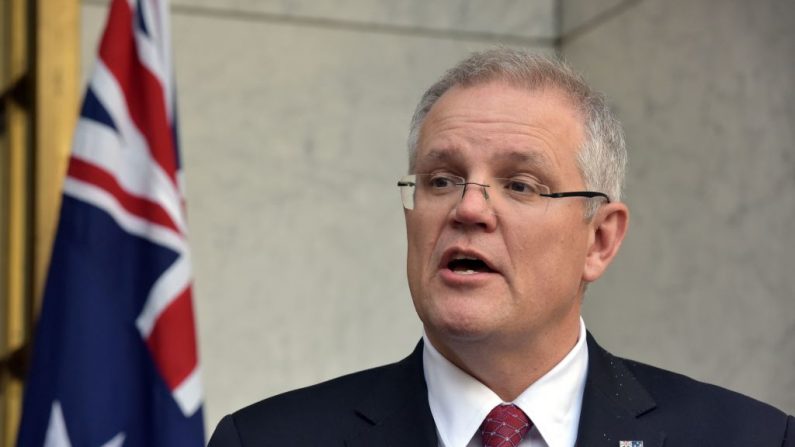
(355, 26)
(595, 22)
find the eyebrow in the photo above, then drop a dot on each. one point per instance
(533, 158)
(441, 155)
(525, 158)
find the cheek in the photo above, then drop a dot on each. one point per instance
(413, 239)
(531, 255)
(420, 244)
(546, 256)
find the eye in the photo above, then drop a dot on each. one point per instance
(524, 186)
(443, 182)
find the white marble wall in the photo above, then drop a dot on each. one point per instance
(706, 90)
(294, 116)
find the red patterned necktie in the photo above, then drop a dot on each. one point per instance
(504, 426)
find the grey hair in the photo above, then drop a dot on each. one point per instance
(601, 160)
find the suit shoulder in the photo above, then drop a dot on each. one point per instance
(329, 396)
(632, 397)
(321, 414)
(702, 400)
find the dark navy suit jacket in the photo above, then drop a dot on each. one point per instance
(623, 401)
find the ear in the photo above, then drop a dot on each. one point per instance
(609, 226)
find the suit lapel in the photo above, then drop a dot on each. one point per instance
(613, 404)
(397, 411)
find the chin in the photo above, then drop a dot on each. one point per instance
(458, 323)
(460, 314)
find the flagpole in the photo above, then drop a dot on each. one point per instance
(57, 96)
(40, 98)
(16, 218)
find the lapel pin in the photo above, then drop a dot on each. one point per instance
(630, 443)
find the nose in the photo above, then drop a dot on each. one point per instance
(474, 207)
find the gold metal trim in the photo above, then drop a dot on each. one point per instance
(40, 110)
(56, 106)
(15, 257)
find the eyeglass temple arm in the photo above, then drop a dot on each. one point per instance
(589, 194)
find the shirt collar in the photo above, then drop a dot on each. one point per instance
(459, 402)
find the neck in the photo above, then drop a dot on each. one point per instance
(504, 365)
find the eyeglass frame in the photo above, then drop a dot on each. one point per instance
(552, 195)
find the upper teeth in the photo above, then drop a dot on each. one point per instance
(462, 257)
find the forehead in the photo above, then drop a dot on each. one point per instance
(498, 121)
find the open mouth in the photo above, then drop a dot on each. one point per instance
(467, 265)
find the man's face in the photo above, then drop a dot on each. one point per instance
(523, 277)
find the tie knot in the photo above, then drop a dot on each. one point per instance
(505, 426)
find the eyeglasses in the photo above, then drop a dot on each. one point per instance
(442, 190)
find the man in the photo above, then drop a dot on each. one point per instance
(512, 208)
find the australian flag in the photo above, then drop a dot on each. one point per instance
(114, 359)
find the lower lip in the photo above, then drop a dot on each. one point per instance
(452, 278)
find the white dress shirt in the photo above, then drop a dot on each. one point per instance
(459, 402)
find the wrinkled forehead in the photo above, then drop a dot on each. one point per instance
(530, 94)
(536, 128)
(537, 86)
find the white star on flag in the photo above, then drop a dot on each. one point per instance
(57, 435)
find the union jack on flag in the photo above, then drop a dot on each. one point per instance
(115, 359)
